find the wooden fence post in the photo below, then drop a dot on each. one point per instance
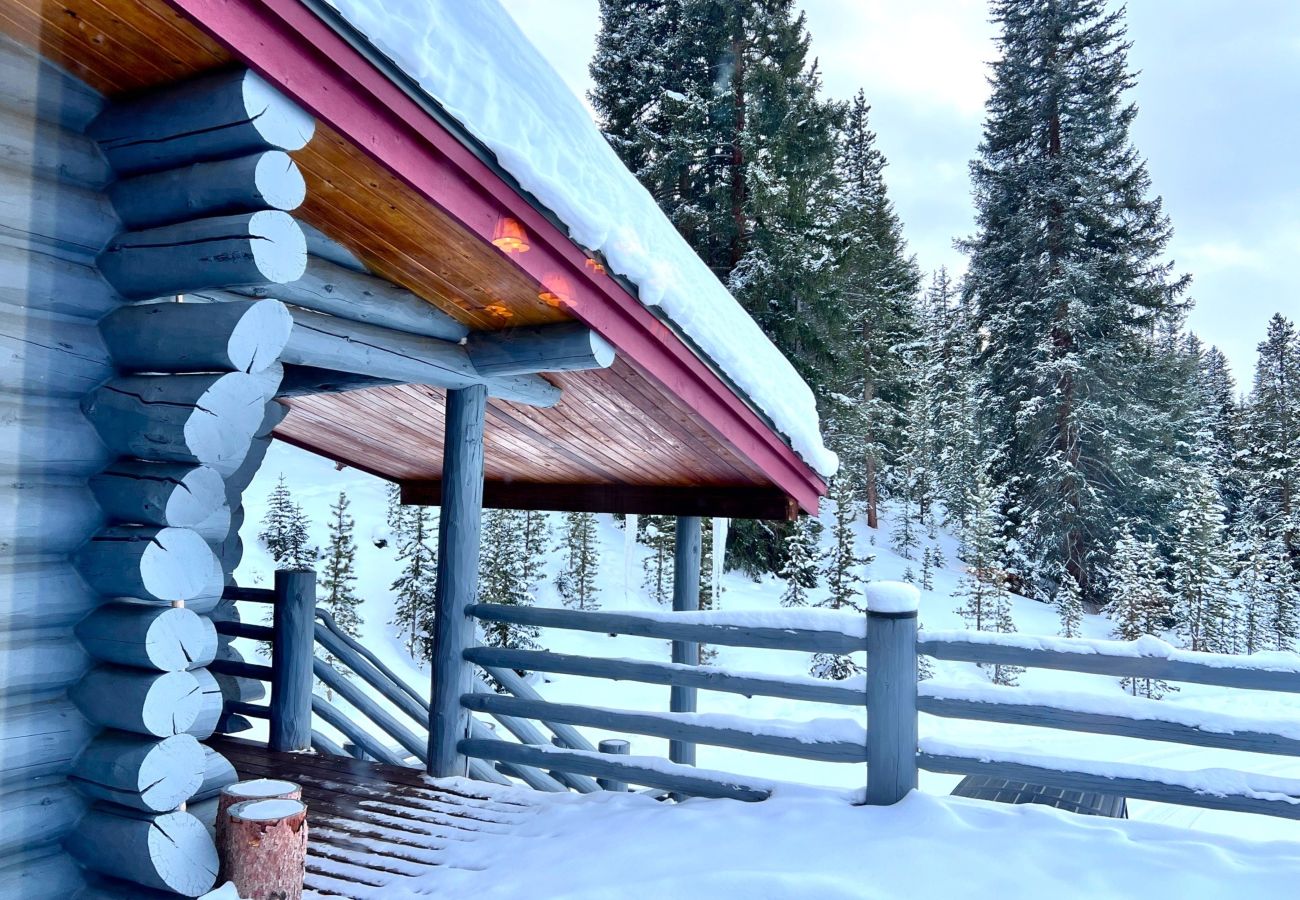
(293, 650)
(891, 691)
(616, 747)
(686, 597)
(457, 588)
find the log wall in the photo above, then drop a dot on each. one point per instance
(122, 486)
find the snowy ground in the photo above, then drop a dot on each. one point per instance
(814, 843)
(861, 841)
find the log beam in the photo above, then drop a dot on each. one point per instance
(161, 565)
(171, 852)
(241, 336)
(134, 492)
(568, 347)
(166, 639)
(268, 180)
(739, 502)
(142, 773)
(218, 116)
(217, 252)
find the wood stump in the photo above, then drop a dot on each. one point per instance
(265, 848)
(242, 792)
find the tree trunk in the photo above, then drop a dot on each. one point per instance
(265, 849)
(243, 792)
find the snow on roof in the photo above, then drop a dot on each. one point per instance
(471, 57)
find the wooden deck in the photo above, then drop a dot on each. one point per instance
(372, 824)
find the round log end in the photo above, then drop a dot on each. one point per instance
(278, 121)
(279, 246)
(263, 789)
(262, 332)
(177, 566)
(268, 811)
(279, 181)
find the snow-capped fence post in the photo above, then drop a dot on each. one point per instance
(616, 747)
(687, 550)
(293, 650)
(891, 691)
(458, 547)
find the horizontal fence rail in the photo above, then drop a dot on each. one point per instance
(702, 628)
(1121, 717)
(634, 770)
(678, 726)
(704, 677)
(1124, 659)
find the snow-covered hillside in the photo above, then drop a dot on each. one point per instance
(315, 484)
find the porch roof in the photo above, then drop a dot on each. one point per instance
(398, 182)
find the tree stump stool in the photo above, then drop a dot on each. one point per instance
(265, 850)
(241, 792)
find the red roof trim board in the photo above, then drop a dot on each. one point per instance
(306, 59)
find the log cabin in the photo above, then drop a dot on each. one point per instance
(228, 222)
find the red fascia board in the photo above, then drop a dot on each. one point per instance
(306, 59)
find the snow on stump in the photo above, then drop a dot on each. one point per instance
(264, 850)
(242, 792)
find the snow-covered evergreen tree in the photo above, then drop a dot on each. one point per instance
(1202, 569)
(878, 281)
(987, 605)
(1067, 282)
(577, 582)
(1069, 607)
(1141, 603)
(1271, 452)
(843, 573)
(415, 609)
(284, 530)
(802, 559)
(338, 574)
(503, 578)
(536, 540)
(659, 534)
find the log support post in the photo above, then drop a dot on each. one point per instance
(457, 588)
(292, 654)
(615, 747)
(891, 692)
(686, 597)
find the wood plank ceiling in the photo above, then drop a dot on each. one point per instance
(612, 427)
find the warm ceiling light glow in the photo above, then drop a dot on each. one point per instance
(555, 291)
(499, 311)
(509, 236)
(595, 265)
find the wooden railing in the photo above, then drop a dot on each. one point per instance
(553, 755)
(361, 679)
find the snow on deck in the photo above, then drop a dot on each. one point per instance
(471, 57)
(806, 842)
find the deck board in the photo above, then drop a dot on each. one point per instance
(371, 824)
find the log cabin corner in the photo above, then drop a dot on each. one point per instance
(227, 222)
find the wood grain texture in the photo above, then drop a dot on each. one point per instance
(291, 660)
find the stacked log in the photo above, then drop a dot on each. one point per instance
(202, 192)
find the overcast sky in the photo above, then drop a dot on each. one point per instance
(1219, 94)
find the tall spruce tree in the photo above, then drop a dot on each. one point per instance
(1271, 454)
(802, 559)
(1141, 603)
(339, 571)
(504, 579)
(1202, 567)
(1066, 279)
(659, 534)
(577, 581)
(415, 608)
(843, 573)
(877, 282)
(987, 605)
(715, 107)
(284, 530)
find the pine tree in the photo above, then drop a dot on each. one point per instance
(284, 530)
(843, 565)
(802, 556)
(1069, 607)
(338, 577)
(1067, 281)
(878, 281)
(1141, 603)
(1271, 454)
(1203, 602)
(338, 574)
(659, 534)
(536, 540)
(988, 603)
(577, 583)
(503, 579)
(842, 571)
(415, 606)
(716, 109)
